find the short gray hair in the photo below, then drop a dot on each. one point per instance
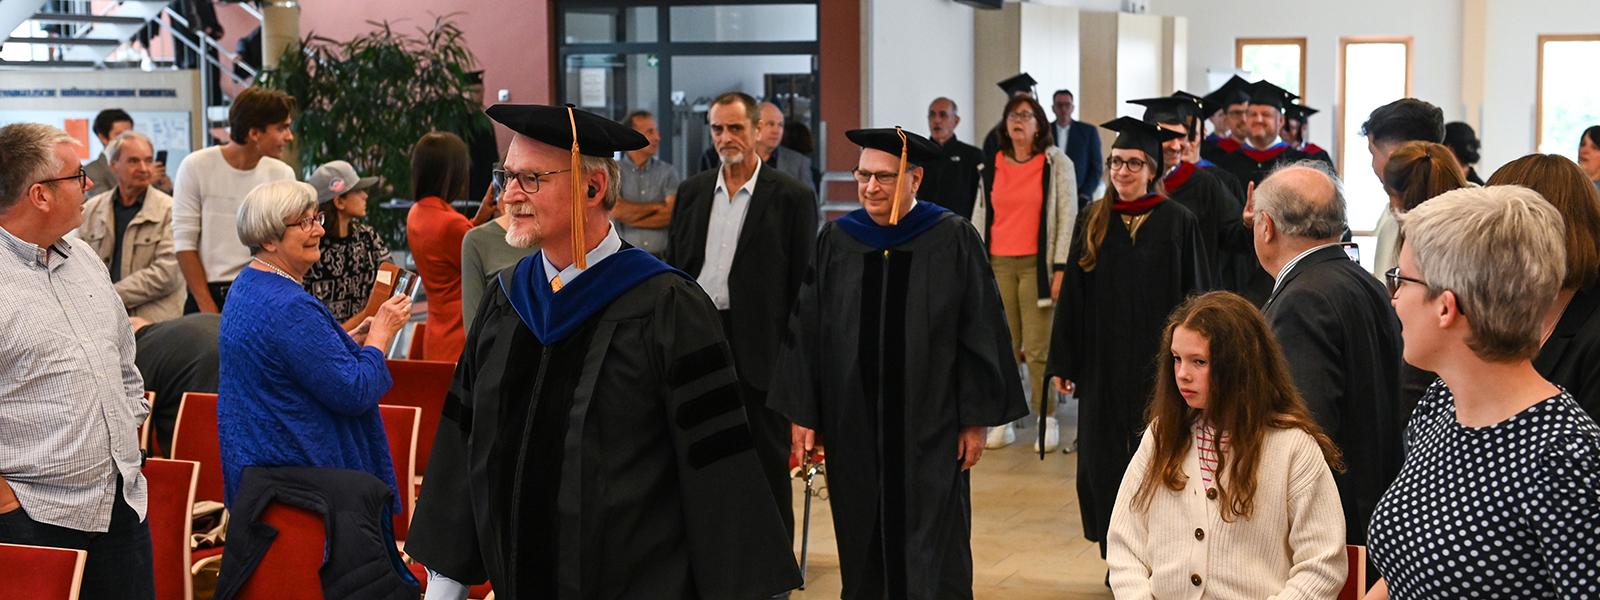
(265, 208)
(1296, 213)
(114, 147)
(1502, 251)
(27, 156)
(613, 177)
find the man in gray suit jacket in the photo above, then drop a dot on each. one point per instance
(1337, 329)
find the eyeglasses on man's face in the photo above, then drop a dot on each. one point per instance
(82, 176)
(885, 178)
(1393, 280)
(527, 182)
(1133, 165)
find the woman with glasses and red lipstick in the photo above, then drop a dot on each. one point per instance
(1026, 204)
(1135, 257)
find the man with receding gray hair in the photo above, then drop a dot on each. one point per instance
(1337, 330)
(69, 462)
(130, 226)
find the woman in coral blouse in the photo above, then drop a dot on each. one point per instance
(434, 231)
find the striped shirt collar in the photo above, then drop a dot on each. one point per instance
(30, 253)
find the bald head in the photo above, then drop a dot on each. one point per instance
(942, 119)
(771, 129)
(1304, 202)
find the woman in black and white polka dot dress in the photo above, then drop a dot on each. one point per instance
(1500, 493)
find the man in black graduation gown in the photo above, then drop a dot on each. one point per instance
(1296, 122)
(593, 444)
(899, 360)
(1020, 84)
(1263, 151)
(951, 180)
(1339, 334)
(1107, 329)
(1199, 190)
(745, 231)
(1226, 108)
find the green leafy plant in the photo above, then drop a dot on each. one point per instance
(368, 100)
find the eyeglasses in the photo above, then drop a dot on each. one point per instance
(1021, 115)
(528, 182)
(1393, 279)
(82, 176)
(309, 224)
(1134, 165)
(884, 179)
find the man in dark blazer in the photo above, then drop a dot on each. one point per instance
(1081, 142)
(746, 232)
(1337, 329)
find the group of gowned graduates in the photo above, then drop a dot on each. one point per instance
(609, 433)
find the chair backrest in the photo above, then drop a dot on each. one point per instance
(171, 485)
(419, 337)
(42, 573)
(423, 384)
(290, 570)
(400, 424)
(194, 437)
(1355, 584)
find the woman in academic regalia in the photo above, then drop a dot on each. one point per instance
(1135, 257)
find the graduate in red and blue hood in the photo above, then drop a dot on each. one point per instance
(1136, 255)
(1296, 118)
(1263, 149)
(898, 360)
(593, 444)
(1225, 107)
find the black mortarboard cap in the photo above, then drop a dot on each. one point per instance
(1021, 82)
(597, 135)
(1207, 108)
(1298, 112)
(1171, 109)
(1134, 134)
(920, 151)
(1232, 92)
(1264, 92)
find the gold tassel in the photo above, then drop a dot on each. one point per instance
(899, 180)
(580, 254)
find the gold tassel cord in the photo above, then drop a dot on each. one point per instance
(899, 180)
(580, 253)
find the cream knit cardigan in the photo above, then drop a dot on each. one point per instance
(1292, 546)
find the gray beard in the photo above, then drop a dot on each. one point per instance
(524, 241)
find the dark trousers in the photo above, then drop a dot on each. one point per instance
(119, 565)
(219, 294)
(770, 431)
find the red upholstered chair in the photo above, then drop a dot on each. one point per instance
(289, 569)
(194, 437)
(40, 573)
(400, 424)
(1355, 586)
(419, 333)
(171, 492)
(423, 384)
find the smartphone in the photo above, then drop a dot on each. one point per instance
(161, 156)
(407, 283)
(1352, 250)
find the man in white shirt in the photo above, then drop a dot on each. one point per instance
(746, 231)
(212, 184)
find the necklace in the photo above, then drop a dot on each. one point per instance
(275, 269)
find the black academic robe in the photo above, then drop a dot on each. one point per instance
(1571, 357)
(1317, 153)
(613, 462)
(890, 353)
(1341, 340)
(1215, 147)
(1107, 336)
(952, 181)
(1222, 231)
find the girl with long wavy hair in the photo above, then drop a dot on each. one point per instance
(1232, 487)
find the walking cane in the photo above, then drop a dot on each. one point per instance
(808, 471)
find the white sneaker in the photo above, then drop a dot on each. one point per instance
(1000, 437)
(1052, 435)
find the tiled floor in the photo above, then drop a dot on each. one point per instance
(1027, 541)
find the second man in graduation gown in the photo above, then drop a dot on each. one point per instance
(898, 360)
(593, 444)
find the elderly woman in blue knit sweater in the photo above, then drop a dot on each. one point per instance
(296, 388)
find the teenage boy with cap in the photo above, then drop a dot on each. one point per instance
(343, 279)
(898, 358)
(1021, 84)
(593, 444)
(1114, 302)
